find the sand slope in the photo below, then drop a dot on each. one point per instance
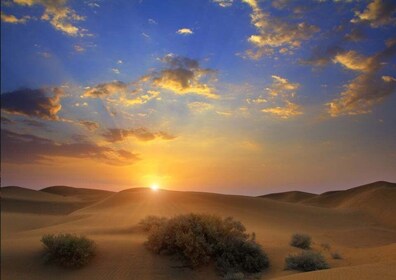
(112, 223)
(293, 196)
(375, 199)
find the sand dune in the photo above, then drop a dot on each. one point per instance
(375, 199)
(292, 196)
(111, 220)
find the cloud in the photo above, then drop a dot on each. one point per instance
(354, 61)
(115, 70)
(281, 85)
(182, 76)
(141, 133)
(26, 149)
(106, 89)
(224, 3)
(281, 91)
(275, 33)
(42, 103)
(321, 56)
(185, 31)
(60, 16)
(369, 87)
(377, 13)
(13, 19)
(361, 94)
(287, 111)
(90, 125)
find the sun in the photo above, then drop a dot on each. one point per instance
(154, 187)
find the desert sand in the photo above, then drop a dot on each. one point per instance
(358, 223)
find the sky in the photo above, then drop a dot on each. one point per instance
(230, 96)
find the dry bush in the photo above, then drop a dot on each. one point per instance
(302, 241)
(199, 239)
(68, 250)
(306, 261)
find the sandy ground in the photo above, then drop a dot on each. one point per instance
(357, 223)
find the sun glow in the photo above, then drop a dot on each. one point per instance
(154, 187)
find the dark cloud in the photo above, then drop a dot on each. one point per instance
(43, 103)
(90, 125)
(141, 133)
(26, 148)
(322, 56)
(182, 76)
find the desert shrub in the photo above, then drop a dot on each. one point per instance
(306, 261)
(336, 256)
(152, 222)
(68, 250)
(200, 239)
(302, 241)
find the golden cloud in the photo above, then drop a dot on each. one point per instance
(275, 33)
(60, 16)
(13, 19)
(185, 31)
(377, 13)
(285, 112)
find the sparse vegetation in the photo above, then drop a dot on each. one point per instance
(336, 256)
(152, 222)
(302, 241)
(306, 261)
(199, 239)
(68, 250)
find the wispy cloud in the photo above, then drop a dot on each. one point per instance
(275, 33)
(27, 148)
(141, 134)
(59, 14)
(282, 91)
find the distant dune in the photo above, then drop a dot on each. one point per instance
(357, 223)
(292, 196)
(377, 199)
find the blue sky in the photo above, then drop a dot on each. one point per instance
(142, 89)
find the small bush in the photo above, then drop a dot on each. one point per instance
(199, 239)
(306, 261)
(336, 256)
(68, 250)
(302, 241)
(152, 222)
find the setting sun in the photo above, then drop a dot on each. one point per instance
(154, 187)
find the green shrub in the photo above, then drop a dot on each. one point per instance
(306, 261)
(234, 276)
(302, 241)
(336, 256)
(152, 222)
(68, 250)
(199, 239)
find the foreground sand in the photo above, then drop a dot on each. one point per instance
(357, 223)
